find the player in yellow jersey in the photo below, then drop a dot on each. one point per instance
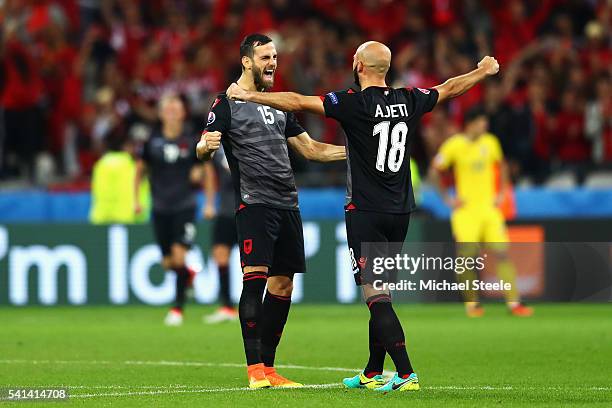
(474, 156)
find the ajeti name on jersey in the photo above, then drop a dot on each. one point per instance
(379, 123)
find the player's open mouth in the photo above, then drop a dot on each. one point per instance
(268, 74)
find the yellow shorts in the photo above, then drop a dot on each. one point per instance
(479, 224)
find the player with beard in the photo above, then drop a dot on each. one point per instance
(255, 139)
(379, 123)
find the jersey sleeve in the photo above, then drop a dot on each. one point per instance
(292, 126)
(425, 99)
(338, 105)
(220, 116)
(446, 155)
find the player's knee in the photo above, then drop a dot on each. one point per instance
(468, 249)
(167, 262)
(177, 261)
(254, 280)
(221, 254)
(177, 256)
(369, 292)
(252, 269)
(280, 285)
(502, 256)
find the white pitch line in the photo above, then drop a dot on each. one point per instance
(238, 365)
(182, 364)
(178, 388)
(511, 388)
(173, 363)
(432, 387)
(197, 390)
(120, 387)
(194, 391)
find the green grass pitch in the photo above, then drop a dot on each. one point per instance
(124, 356)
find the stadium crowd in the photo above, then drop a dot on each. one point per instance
(75, 74)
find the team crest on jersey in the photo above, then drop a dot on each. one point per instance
(248, 246)
(211, 118)
(333, 98)
(425, 91)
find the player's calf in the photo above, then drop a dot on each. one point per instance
(388, 330)
(249, 311)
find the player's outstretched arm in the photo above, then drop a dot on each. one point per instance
(435, 172)
(316, 151)
(285, 101)
(459, 85)
(209, 143)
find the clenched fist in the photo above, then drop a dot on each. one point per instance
(208, 144)
(236, 92)
(490, 65)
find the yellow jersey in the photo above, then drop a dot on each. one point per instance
(473, 163)
(112, 190)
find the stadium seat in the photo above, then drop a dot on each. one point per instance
(524, 182)
(599, 179)
(564, 180)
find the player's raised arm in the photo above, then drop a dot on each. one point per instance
(316, 151)
(459, 85)
(217, 124)
(285, 101)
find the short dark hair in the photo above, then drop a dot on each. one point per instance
(473, 114)
(248, 44)
(115, 139)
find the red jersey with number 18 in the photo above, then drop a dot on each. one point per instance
(379, 124)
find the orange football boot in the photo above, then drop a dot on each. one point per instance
(278, 380)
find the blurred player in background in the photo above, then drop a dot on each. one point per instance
(476, 218)
(169, 158)
(112, 182)
(379, 123)
(255, 139)
(218, 182)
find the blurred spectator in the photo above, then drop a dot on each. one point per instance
(571, 143)
(72, 70)
(530, 126)
(599, 121)
(21, 98)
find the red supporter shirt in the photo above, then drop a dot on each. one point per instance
(572, 145)
(20, 91)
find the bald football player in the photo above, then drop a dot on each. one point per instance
(379, 123)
